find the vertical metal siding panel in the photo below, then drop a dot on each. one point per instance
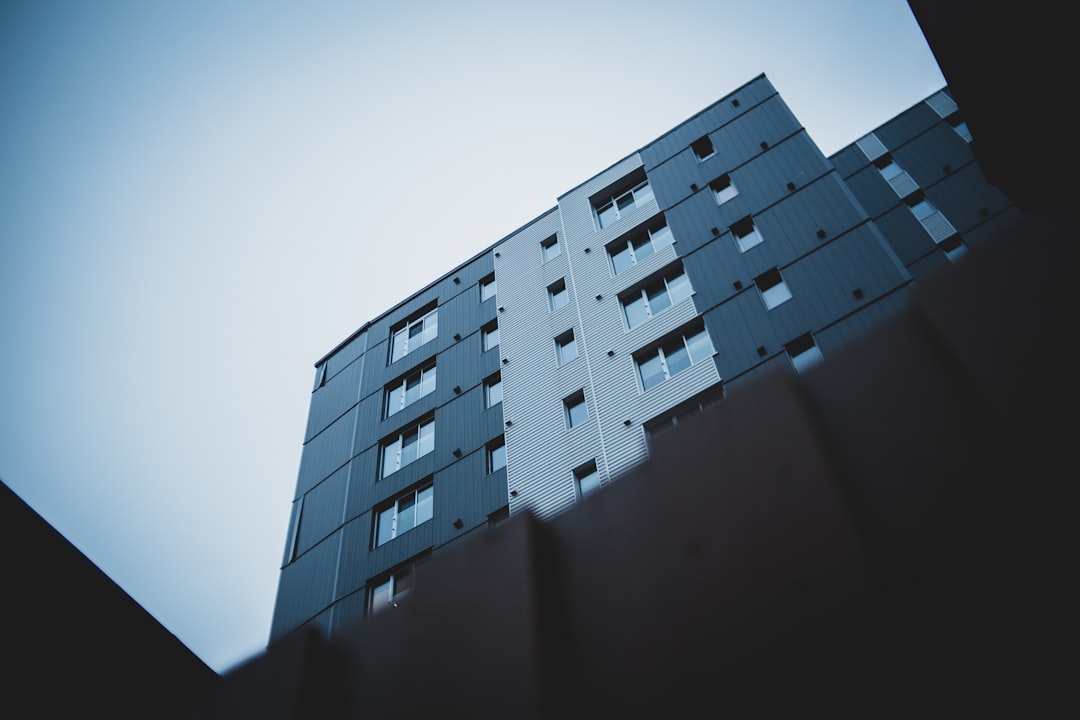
(332, 400)
(965, 194)
(927, 156)
(873, 192)
(324, 509)
(326, 452)
(849, 160)
(908, 124)
(905, 234)
(305, 588)
(346, 355)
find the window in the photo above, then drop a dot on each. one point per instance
(389, 590)
(565, 347)
(723, 189)
(615, 207)
(586, 479)
(403, 514)
(673, 356)
(703, 148)
(490, 336)
(629, 251)
(746, 234)
(574, 409)
(933, 221)
(549, 249)
(414, 333)
(774, 291)
(487, 288)
(409, 389)
(557, 295)
(652, 299)
(684, 410)
(953, 247)
(493, 390)
(411, 443)
(804, 352)
(899, 180)
(961, 128)
(496, 454)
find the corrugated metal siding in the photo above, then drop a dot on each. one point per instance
(306, 587)
(326, 452)
(905, 234)
(872, 191)
(332, 400)
(965, 195)
(927, 157)
(324, 509)
(907, 125)
(849, 160)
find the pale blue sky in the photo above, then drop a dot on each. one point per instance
(199, 199)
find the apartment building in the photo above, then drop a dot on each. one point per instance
(535, 373)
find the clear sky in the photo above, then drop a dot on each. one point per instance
(200, 198)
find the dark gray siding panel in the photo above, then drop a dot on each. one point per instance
(326, 452)
(849, 160)
(905, 234)
(324, 507)
(907, 125)
(873, 191)
(348, 611)
(306, 587)
(716, 115)
(967, 199)
(360, 563)
(344, 356)
(333, 399)
(927, 158)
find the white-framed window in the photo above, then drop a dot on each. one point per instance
(703, 148)
(496, 454)
(493, 390)
(392, 588)
(658, 295)
(586, 479)
(565, 347)
(723, 189)
(408, 445)
(408, 510)
(746, 234)
(804, 352)
(490, 336)
(634, 248)
(557, 294)
(961, 128)
(575, 411)
(664, 361)
(774, 290)
(549, 249)
(487, 288)
(410, 388)
(615, 207)
(953, 247)
(408, 336)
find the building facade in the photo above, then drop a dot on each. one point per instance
(536, 372)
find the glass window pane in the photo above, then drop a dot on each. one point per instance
(425, 502)
(576, 413)
(398, 350)
(380, 597)
(621, 260)
(567, 351)
(408, 448)
(431, 327)
(625, 203)
(677, 358)
(643, 195)
(679, 288)
(652, 372)
(636, 312)
(412, 390)
(385, 530)
(494, 394)
(390, 458)
(700, 346)
(588, 483)
(659, 300)
(662, 237)
(498, 458)
(427, 439)
(395, 400)
(607, 215)
(406, 516)
(428, 383)
(643, 248)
